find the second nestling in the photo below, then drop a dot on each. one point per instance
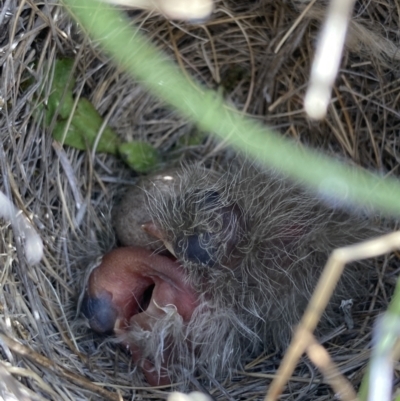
(216, 266)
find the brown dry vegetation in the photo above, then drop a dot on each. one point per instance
(46, 351)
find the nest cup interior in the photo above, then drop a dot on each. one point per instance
(46, 350)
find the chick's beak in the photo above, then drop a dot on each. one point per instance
(153, 230)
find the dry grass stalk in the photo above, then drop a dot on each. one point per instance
(332, 272)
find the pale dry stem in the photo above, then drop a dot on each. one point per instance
(323, 292)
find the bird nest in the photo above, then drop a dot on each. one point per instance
(258, 54)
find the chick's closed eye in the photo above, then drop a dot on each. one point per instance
(196, 248)
(211, 228)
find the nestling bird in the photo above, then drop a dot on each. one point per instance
(216, 265)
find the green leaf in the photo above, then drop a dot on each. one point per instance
(73, 137)
(140, 156)
(63, 80)
(194, 138)
(84, 128)
(63, 77)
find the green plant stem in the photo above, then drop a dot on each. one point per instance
(151, 67)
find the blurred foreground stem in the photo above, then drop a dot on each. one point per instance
(144, 62)
(385, 350)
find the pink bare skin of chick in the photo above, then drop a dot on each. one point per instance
(132, 285)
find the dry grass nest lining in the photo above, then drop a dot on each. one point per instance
(235, 50)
